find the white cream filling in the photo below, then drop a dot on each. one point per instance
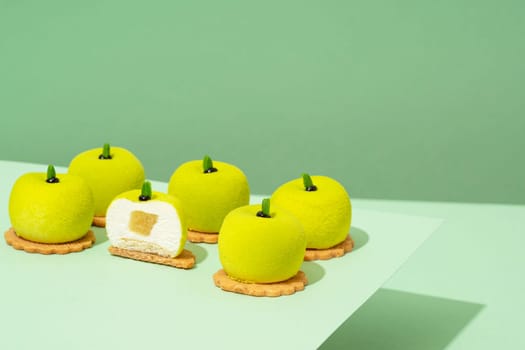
(165, 235)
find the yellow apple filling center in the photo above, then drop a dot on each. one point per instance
(141, 222)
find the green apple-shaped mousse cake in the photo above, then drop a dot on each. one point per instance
(208, 191)
(149, 226)
(324, 209)
(50, 209)
(109, 171)
(261, 251)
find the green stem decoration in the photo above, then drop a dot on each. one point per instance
(308, 184)
(265, 209)
(105, 152)
(207, 165)
(51, 175)
(146, 192)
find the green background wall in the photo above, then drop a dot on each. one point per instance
(396, 99)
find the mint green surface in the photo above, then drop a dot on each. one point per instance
(462, 289)
(93, 300)
(395, 99)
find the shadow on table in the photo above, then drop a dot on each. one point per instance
(314, 272)
(199, 252)
(100, 235)
(399, 320)
(359, 236)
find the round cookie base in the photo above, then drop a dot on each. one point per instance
(185, 260)
(20, 243)
(336, 251)
(99, 221)
(277, 289)
(203, 237)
